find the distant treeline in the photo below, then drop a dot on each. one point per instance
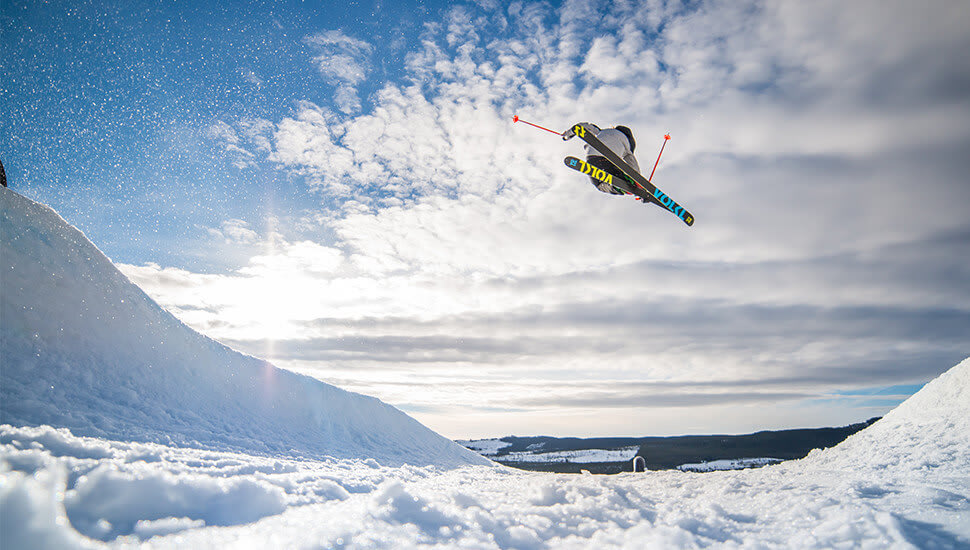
(664, 453)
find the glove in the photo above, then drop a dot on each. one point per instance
(570, 133)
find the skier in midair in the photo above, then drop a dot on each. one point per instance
(620, 140)
(612, 166)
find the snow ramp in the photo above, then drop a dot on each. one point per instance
(83, 348)
(929, 430)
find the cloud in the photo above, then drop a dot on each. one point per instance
(820, 146)
(344, 62)
(613, 399)
(236, 232)
(241, 142)
(303, 257)
(308, 146)
(258, 132)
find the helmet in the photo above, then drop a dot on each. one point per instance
(629, 135)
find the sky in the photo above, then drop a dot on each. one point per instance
(339, 188)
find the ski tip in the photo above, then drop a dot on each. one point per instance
(515, 118)
(666, 137)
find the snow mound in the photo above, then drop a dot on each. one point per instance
(928, 430)
(83, 348)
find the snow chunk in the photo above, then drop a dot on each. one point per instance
(396, 504)
(57, 442)
(146, 529)
(125, 497)
(32, 512)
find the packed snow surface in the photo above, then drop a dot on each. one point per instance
(178, 442)
(885, 487)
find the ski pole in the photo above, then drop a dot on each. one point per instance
(666, 137)
(517, 119)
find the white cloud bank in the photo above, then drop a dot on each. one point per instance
(819, 145)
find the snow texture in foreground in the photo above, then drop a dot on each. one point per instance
(83, 348)
(885, 487)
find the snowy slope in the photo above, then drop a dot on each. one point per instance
(83, 348)
(929, 430)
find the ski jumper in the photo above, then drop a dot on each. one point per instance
(619, 143)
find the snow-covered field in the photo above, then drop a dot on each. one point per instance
(485, 447)
(492, 447)
(579, 456)
(178, 442)
(735, 464)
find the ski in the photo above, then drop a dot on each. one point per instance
(603, 176)
(642, 185)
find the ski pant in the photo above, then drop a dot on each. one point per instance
(607, 166)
